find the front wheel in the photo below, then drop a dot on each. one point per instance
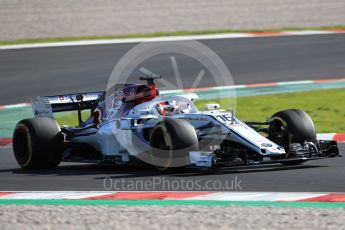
(38, 143)
(291, 126)
(171, 140)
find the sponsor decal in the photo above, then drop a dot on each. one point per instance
(266, 145)
(113, 104)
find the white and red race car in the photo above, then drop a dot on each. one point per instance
(135, 125)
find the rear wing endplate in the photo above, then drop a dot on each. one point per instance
(47, 105)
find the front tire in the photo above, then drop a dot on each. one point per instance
(291, 126)
(38, 143)
(171, 140)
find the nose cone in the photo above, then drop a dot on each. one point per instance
(272, 150)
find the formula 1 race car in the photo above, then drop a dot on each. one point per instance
(135, 124)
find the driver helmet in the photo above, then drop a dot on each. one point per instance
(166, 108)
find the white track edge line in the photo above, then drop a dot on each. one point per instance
(167, 38)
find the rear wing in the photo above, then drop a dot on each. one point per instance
(47, 105)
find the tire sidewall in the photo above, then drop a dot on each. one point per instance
(298, 126)
(44, 143)
(182, 137)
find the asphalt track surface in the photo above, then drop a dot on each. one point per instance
(314, 176)
(27, 73)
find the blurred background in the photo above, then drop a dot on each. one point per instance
(23, 19)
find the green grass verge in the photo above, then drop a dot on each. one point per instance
(70, 118)
(161, 34)
(326, 108)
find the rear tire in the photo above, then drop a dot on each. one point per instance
(38, 143)
(171, 140)
(291, 126)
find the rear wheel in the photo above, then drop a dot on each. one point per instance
(291, 126)
(38, 143)
(171, 140)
